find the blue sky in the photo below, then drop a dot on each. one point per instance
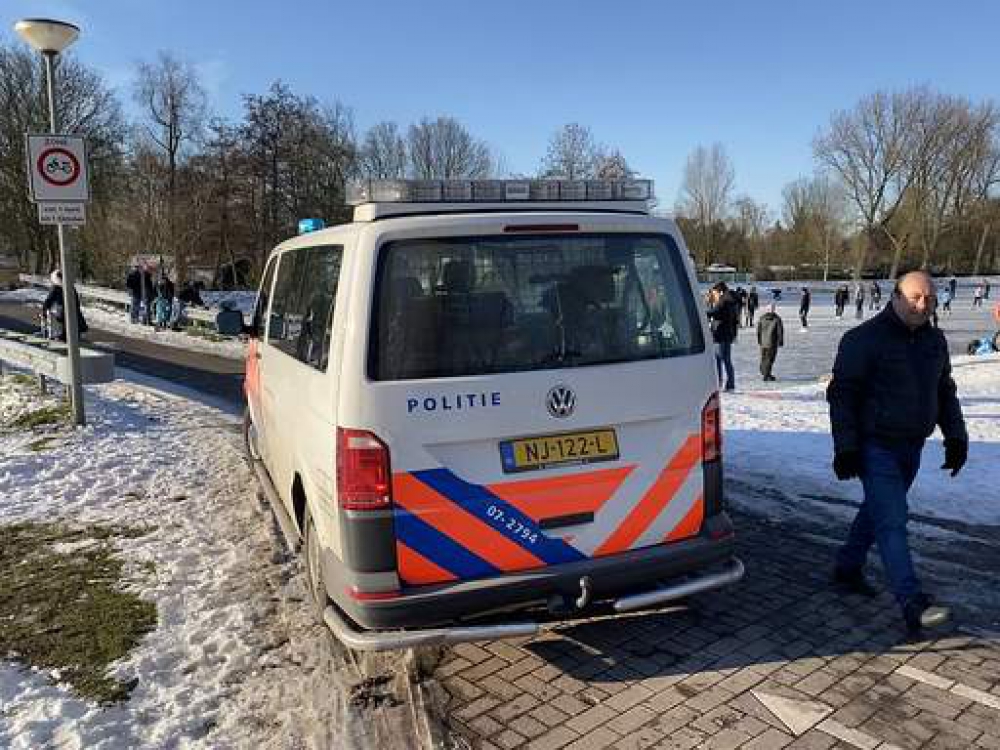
(653, 79)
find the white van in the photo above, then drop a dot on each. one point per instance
(488, 396)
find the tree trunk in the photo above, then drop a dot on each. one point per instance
(897, 254)
(864, 247)
(979, 248)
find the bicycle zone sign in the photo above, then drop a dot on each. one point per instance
(57, 165)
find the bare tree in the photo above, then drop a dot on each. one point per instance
(815, 211)
(612, 166)
(383, 152)
(86, 106)
(444, 149)
(573, 154)
(705, 193)
(751, 219)
(175, 104)
(870, 149)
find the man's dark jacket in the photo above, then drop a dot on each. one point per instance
(725, 318)
(892, 385)
(770, 331)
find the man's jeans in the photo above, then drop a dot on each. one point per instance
(886, 475)
(133, 308)
(724, 359)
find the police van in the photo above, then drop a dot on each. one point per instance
(483, 405)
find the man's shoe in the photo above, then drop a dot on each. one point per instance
(920, 612)
(853, 581)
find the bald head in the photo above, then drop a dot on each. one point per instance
(914, 298)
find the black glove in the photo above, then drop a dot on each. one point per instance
(956, 451)
(847, 464)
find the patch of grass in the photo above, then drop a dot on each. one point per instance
(59, 414)
(67, 610)
(204, 333)
(21, 379)
(37, 446)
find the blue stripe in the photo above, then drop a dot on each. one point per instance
(441, 550)
(476, 500)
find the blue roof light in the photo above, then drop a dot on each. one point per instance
(310, 225)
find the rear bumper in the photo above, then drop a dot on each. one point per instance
(638, 571)
(385, 640)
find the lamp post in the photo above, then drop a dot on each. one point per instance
(51, 38)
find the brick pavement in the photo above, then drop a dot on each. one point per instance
(690, 677)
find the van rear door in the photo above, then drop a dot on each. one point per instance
(546, 396)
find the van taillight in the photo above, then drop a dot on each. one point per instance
(711, 430)
(364, 480)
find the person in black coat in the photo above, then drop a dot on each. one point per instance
(753, 302)
(133, 282)
(724, 315)
(54, 308)
(805, 302)
(891, 387)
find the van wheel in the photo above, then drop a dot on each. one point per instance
(250, 451)
(314, 568)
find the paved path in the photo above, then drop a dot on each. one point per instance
(834, 670)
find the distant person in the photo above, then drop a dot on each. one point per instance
(840, 298)
(770, 338)
(54, 309)
(891, 386)
(148, 294)
(162, 307)
(133, 282)
(859, 302)
(723, 313)
(946, 297)
(986, 290)
(977, 296)
(740, 295)
(805, 302)
(875, 298)
(165, 287)
(191, 295)
(753, 302)
(953, 287)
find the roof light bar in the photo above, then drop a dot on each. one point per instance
(496, 191)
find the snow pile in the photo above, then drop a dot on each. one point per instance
(238, 658)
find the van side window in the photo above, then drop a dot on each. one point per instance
(263, 297)
(304, 297)
(318, 300)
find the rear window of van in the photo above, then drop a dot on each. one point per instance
(475, 305)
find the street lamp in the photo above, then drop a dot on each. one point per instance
(51, 38)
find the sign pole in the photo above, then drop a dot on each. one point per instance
(68, 276)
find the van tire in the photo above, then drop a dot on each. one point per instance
(314, 568)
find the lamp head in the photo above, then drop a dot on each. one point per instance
(46, 35)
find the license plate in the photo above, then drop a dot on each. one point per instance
(544, 451)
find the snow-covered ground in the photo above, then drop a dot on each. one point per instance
(237, 659)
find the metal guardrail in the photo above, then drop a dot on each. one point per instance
(116, 297)
(49, 359)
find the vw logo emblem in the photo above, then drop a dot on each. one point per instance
(561, 401)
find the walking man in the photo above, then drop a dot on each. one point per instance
(770, 337)
(724, 314)
(891, 385)
(805, 302)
